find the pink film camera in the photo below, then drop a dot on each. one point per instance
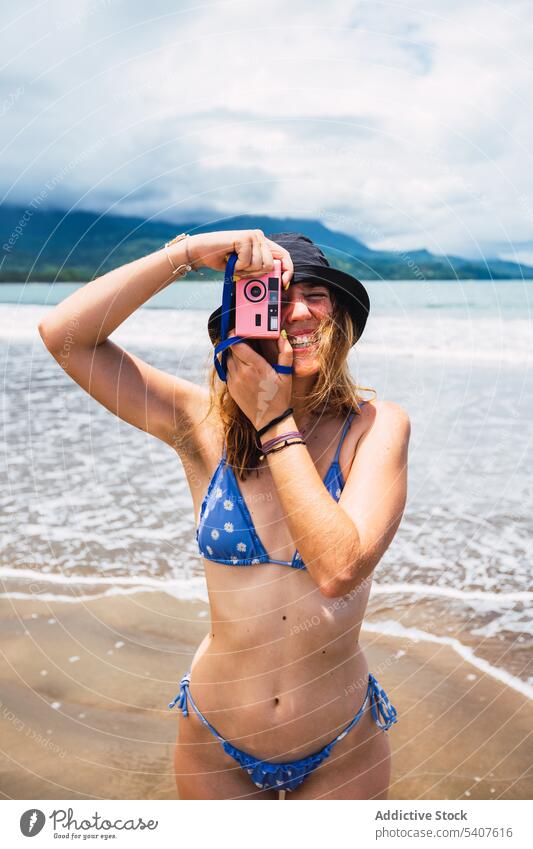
(258, 305)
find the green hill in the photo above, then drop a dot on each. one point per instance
(47, 245)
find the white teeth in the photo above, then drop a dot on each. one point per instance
(301, 340)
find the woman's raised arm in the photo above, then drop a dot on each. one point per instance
(95, 310)
(76, 333)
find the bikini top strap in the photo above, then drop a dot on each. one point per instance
(345, 429)
(344, 432)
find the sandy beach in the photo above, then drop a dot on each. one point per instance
(85, 687)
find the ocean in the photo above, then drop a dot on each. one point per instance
(91, 506)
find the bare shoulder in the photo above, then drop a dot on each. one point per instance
(390, 411)
(386, 418)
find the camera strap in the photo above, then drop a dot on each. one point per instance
(221, 348)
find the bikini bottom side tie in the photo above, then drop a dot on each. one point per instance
(267, 775)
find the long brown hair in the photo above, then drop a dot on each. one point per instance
(334, 392)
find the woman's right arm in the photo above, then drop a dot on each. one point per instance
(76, 331)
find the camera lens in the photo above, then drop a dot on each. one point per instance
(255, 291)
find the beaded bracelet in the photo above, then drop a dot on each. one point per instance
(270, 442)
(281, 447)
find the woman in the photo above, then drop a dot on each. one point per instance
(279, 697)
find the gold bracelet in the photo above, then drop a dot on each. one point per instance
(182, 269)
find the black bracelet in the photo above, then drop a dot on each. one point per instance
(284, 415)
(281, 447)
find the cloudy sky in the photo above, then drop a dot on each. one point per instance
(407, 125)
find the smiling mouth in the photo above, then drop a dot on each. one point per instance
(302, 342)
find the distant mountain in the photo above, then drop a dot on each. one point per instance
(45, 245)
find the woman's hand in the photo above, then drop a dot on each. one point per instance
(260, 392)
(255, 253)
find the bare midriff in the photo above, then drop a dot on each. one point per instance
(281, 672)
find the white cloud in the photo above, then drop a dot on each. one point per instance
(409, 121)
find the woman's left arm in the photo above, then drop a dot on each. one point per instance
(339, 542)
(342, 542)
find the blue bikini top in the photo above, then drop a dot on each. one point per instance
(226, 533)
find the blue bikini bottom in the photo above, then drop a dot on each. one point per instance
(268, 775)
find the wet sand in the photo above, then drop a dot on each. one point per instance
(96, 724)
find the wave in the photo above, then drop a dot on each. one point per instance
(453, 338)
(450, 592)
(390, 627)
(184, 589)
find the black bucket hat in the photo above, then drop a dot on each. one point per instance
(310, 264)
